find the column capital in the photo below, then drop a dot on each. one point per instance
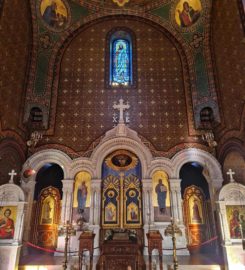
(147, 183)
(67, 183)
(174, 183)
(96, 184)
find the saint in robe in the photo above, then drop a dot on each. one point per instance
(6, 226)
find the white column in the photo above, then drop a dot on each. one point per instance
(28, 188)
(95, 209)
(67, 200)
(66, 210)
(148, 210)
(177, 214)
(95, 212)
(176, 200)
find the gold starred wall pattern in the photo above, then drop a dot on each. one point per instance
(158, 109)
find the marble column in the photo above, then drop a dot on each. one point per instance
(177, 214)
(66, 210)
(95, 208)
(29, 189)
(148, 210)
(95, 212)
(176, 200)
(67, 200)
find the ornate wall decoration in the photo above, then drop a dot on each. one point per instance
(110, 202)
(121, 191)
(187, 14)
(121, 160)
(120, 3)
(55, 14)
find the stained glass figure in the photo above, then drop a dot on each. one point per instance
(120, 62)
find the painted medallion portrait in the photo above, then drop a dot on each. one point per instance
(7, 221)
(187, 12)
(121, 160)
(236, 221)
(54, 14)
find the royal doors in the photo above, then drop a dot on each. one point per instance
(121, 191)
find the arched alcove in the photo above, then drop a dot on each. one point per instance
(50, 174)
(191, 174)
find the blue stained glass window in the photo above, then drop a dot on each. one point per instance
(121, 62)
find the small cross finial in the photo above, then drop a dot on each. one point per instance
(230, 173)
(121, 107)
(12, 175)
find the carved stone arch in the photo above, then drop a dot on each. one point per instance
(234, 193)
(209, 163)
(127, 140)
(81, 164)
(39, 159)
(11, 193)
(161, 164)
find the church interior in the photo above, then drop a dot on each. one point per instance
(122, 134)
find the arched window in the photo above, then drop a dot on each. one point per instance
(121, 64)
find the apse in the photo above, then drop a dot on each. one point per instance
(191, 174)
(50, 174)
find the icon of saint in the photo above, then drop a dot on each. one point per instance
(50, 15)
(6, 226)
(235, 230)
(46, 213)
(196, 217)
(161, 191)
(110, 214)
(188, 15)
(133, 214)
(82, 193)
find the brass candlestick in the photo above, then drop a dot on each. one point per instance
(173, 230)
(69, 230)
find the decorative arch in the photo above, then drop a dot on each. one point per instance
(39, 159)
(161, 164)
(212, 166)
(127, 140)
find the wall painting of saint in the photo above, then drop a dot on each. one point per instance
(161, 196)
(132, 212)
(196, 212)
(236, 221)
(48, 206)
(7, 221)
(110, 212)
(187, 12)
(81, 201)
(54, 14)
